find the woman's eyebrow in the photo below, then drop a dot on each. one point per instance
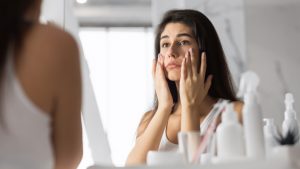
(184, 34)
(165, 36)
(178, 35)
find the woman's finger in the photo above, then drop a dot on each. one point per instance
(162, 60)
(154, 63)
(183, 69)
(159, 58)
(208, 83)
(203, 66)
(193, 61)
(159, 68)
(189, 65)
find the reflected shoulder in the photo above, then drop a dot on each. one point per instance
(53, 36)
(238, 107)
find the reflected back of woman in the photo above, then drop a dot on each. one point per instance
(40, 96)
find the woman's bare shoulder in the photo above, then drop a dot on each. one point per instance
(238, 107)
(51, 46)
(51, 31)
(52, 38)
(50, 51)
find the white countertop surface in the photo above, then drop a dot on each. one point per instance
(284, 158)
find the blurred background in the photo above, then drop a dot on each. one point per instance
(117, 38)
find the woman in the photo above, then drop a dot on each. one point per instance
(40, 97)
(190, 76)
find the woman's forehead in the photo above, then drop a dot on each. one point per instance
(173, 29)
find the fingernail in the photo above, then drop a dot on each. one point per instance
(191, 50)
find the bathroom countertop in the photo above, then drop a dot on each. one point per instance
(284, 158)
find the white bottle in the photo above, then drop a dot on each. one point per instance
(290, 120)
(230, 138)
(252, 118)
(270, 134)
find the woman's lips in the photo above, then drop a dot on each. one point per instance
(173, 66)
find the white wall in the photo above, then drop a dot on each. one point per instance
(53, 11)
(273, 43)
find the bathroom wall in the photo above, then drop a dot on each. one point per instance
(273, 43)
(53, 11)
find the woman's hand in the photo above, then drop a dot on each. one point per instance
(165, 100)
(193, 88)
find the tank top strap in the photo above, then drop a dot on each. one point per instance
(213, 114)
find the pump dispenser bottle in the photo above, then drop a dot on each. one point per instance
(230, 138)
(270, 135)
(252, 118)
(290, 123)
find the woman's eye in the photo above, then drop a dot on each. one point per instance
(181, 43)
(165, 45)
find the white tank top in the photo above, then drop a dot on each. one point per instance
(25, 132)
(166, 145)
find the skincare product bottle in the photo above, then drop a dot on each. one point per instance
(290, 123)
(270, 135)
(252, 118)
(230, 138)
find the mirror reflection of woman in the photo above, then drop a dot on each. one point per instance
(40, 96)
(190, 76)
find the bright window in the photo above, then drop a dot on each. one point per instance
(120, 61)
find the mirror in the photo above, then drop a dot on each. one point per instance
(117, 40)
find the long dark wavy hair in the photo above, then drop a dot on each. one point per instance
(13, 27)
(208, 41)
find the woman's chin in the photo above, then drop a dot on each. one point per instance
(173, 77)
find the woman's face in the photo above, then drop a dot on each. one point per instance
(175, 41)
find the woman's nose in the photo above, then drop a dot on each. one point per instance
(172, 51)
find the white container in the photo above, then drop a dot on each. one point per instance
(252, 119)
(183, 144)
(230, 140)
(290, 122)
(188, 143)
(270, 134)
(163, 158)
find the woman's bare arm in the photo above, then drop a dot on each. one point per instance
(149, 136)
